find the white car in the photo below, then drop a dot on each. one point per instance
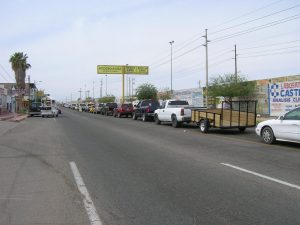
(284, 128)
(48, 111)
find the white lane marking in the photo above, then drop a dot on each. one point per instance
(88, 203)
(262, 176)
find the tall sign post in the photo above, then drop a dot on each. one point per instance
(121, 69)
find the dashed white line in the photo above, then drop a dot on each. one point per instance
(87, 201)
(262, 176)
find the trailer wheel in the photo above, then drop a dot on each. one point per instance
(156, 119)
(242, 129)
(204, 125)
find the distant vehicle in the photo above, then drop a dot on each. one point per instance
(35, 109)
(145, 109)
(48, 107)
(108, 108)
(91, 108)
(174, 111)
(98, 107)
(284, 128)
(125, 109)
(81, 107)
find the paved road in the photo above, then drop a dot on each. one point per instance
(140, 173)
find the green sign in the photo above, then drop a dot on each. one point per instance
(109, 69)
(144, 70)
(117, 69)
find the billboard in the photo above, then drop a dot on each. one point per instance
(194, 96)
(284, 97)
(117, 69)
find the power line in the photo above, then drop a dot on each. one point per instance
(248, 13)
(275, 53)
(250, 21)
(270, 50)
(250, 30)
(269, 45)
(10, 76)
(3, 77)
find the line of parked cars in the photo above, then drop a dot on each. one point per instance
(176, 112)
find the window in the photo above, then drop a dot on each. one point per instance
(293, 115)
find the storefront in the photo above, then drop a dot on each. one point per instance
(3, 100)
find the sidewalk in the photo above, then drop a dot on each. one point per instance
(13, 117)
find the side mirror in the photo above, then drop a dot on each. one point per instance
(281, 117)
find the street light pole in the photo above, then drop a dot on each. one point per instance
(106, 85)
(171, 44)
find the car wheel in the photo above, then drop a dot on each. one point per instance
(157, 121)
(268, 136)
(134, 116)
(144, 118)
(106, 113)
(204, 125)
(175, 122)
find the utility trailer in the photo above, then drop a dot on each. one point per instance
(233, 114)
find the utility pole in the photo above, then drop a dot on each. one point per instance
(132, 83)
(88, 93)
(171, 43)
(101, 83)
(129, 87)
(235, 64)
(93, 90)
(80, 93)
(106, 85)
(28, 94)
(206, 65)
(85, 91)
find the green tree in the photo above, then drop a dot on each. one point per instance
(19, 65)
(107, 99)
(229, 86)
(146, 91)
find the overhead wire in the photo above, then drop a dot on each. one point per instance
(253, 20)
(250, 30)
(5, 71)
(269, 45)
(270, 50)
(275, 53)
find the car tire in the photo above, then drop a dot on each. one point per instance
(204, 125)
(156, 119)
(175, 122)
(144, 118)
(268, 135)
(134, 117)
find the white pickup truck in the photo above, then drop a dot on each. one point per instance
(174, 111)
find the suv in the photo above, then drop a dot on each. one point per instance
(145, 109)
(108, 108)
(35, 109)
(98, 108)
(123, 110)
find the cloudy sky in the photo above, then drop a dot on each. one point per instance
(65, 40)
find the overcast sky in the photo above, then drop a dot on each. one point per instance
(65, 40)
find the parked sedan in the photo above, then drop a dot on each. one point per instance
(123, 110)
(284, 128)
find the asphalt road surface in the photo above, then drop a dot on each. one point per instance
(83, 168)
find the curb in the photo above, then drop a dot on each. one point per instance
(18, 118)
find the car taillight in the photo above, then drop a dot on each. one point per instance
(148, 109)
(182, 112)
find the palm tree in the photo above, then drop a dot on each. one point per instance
(19, 65)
